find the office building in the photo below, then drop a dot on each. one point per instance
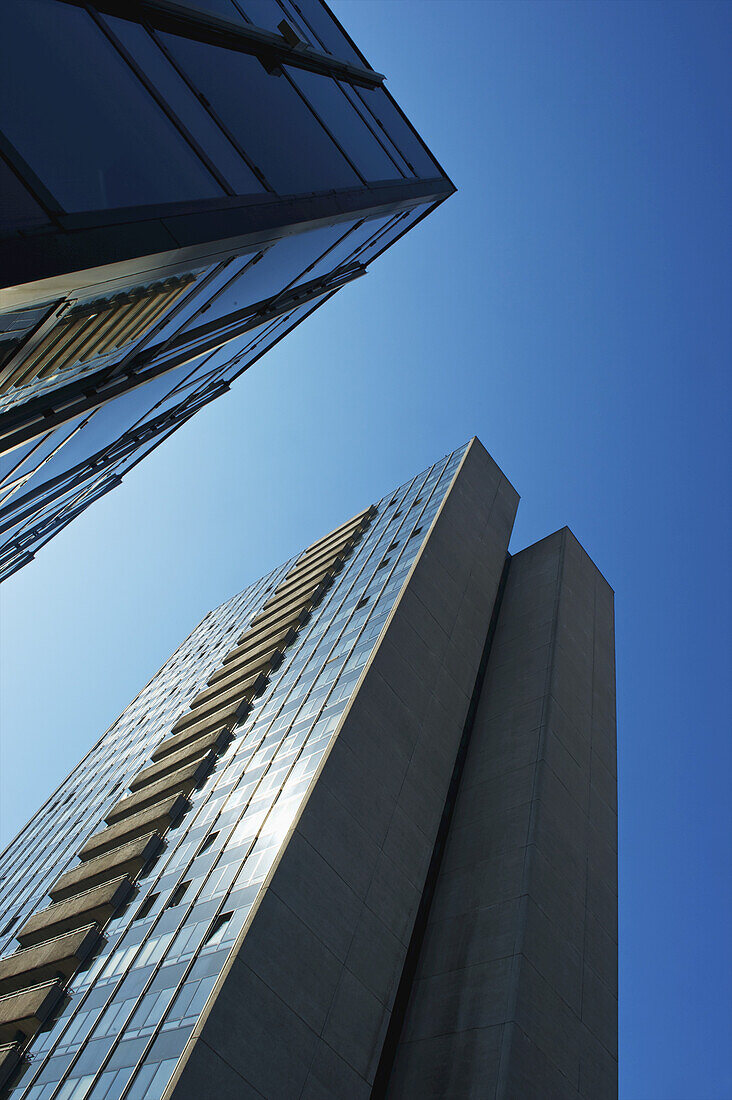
(210, 174)
(356, 838)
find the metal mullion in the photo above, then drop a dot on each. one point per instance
(125, 332)
(47, 496)
(128, 319)
(207, 304)
(351, 228)
(56, 486)
(375, 133)
(429, 207)
(380, 131)
(34, 338)
(255, 309)
(271, 48)
(162, 102)
(410, 126)
(51, 352)
(213, 338)
(206, 104)
(88, 330)
(289, 16)
(198, 286)
(165, 302)
(121, 309)
(19, 166)
(327, 129)
(318, 302)
(49, 456)
(316, 36)
(365, 120)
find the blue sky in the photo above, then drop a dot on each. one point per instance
(570, 306)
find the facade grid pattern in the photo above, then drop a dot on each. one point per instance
(46, 482)
(155, 168)
(132, 1011)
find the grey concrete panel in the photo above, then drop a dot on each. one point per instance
(208, 1067)
(293, 962)
(521, 935)
(321, 898)
(527, 1072)
(488, 838)
(393, 898)
(241, 1030)
(375, 956)
(331, 1078)
(455, 1065)
(598, 1071)
(463, 890)
(356, 1025)
(489, 935)
(476, 997)
(547, 1020)
(341, 840)
(600, 1010)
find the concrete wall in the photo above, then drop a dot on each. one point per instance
(304, 1009)
(516, 987)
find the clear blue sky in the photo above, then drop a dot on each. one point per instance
(570, 306)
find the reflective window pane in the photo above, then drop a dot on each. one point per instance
(189, 110)
(136, 157)
(287, 143)
(346, 125)
(399, 130)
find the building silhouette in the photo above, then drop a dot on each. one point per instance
(356, 838)
(182, 185)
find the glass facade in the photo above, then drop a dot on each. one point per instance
(131, 1011)
(202, 187)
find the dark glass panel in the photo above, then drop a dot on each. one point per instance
(18, 208)
(346, 125)
(279, 266)
(90, 131)
(399, 130)
(189, 110)
(285, 141)
(329, 34)
(268, 15)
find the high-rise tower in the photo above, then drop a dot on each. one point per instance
(356, 838)
(182, 184)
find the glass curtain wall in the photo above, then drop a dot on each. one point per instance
(132, 1011)
(160, 126)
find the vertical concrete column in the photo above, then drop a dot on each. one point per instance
(516, 989)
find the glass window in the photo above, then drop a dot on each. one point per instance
(330, 35)
(280, 265)
(90, 131)
(285, 141)
(268, 14)
(346, 125)
(401, 133)
(189, 110)
(18, 208)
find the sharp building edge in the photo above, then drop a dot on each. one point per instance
(204, 182)
(355, 839)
